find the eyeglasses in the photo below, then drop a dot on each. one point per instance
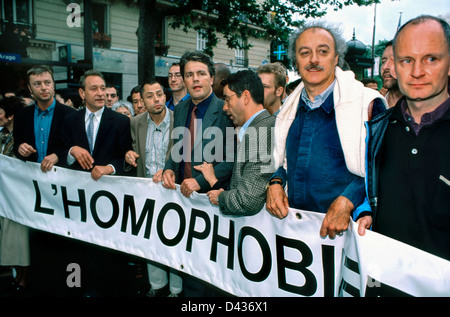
(227, 98)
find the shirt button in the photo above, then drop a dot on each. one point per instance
(407, 129)
(414, 151)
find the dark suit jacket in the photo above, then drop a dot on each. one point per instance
(214, 117)
(24, 131)
(112, 142)
(252, 169)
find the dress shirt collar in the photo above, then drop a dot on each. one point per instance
(166, 120)
(427, 118)
(319, 99)
(203, 106)
(49, 110)
(246, 124)
(97, 114)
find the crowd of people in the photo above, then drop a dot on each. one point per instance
(335, 146)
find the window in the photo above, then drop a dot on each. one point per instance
(240, 54)
(19, 12)
(161, 45)
(162, 32)
(100, 18)
(100, 26)
(201, 40)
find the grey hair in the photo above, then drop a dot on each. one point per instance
(340, 45)
(123, 103)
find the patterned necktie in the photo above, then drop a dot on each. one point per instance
(187, 165)
(90, 132)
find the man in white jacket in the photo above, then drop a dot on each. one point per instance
(320, 133)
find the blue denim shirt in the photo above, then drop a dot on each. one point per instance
(42, 124)
(316, 171)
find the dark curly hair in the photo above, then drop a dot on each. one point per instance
(11, 105)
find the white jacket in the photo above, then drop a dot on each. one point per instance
(352, 102)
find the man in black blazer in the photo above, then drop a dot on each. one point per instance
(198, 73)
(37, 138)
(37, 129)
(104, 270)
(111, 132)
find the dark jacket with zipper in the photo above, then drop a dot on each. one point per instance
(408, 180)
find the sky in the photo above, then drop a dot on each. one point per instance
(387, 17)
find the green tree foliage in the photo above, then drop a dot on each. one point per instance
(236, 20)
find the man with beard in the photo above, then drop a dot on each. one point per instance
(320, 134)
(389, 82)
(150, 132)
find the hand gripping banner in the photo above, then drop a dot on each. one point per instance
(255, 256)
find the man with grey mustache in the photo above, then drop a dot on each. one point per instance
(320, 134)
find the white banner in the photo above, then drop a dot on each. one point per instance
(246, 256)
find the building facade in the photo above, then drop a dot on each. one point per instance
(55, 35)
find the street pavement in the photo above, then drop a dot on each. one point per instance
(6, 283)
(137, 287)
